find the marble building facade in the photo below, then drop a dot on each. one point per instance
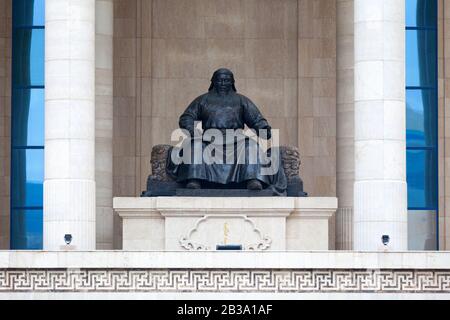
(330, 74)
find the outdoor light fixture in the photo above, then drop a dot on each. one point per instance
(385, 239)
(67, 238)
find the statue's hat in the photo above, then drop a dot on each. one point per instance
(222, 71)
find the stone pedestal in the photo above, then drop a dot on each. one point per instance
(192, 223)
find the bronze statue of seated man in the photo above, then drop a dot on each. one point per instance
(224, 112)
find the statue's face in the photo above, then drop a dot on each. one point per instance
(223, 83)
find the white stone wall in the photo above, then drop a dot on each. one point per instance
(265, 275)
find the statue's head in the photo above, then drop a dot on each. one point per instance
(222, 81)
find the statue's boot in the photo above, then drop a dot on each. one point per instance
(254, 185)
(193, 184)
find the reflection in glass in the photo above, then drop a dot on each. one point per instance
(421, 13)
(421, 58)
(421, 115)
(28, 48)
(27, 131)
(28, 119)
(421, 123)
(27, 177)
(422, 230)
(421, 177)
(29, 13)
(26, 229)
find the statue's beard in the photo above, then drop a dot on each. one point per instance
(223, 91)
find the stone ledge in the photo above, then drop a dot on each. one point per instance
(242, 203)
(436, 260)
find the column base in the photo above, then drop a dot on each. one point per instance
(380, 209)
(69, 208)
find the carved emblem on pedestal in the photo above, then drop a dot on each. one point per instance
(197, 238)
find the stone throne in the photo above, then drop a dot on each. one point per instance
(159, 183)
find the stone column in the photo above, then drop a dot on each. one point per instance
(104, 121)
(345, 164)
(69, 186)
(380, 195)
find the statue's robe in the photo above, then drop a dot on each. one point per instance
(231, 111)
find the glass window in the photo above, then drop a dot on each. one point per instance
(27, 178)
(29, 13)
(421, 123)
(28, 119)
(421, 118)
(421, 58)
(27, 116)
(28, 50)
(26, 229)
(421, 13)
(422, 225)
(421, 175)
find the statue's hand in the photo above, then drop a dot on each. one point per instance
(195, 133)
(268, 131)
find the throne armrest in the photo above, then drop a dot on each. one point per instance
(159, 161)
(290, 157)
